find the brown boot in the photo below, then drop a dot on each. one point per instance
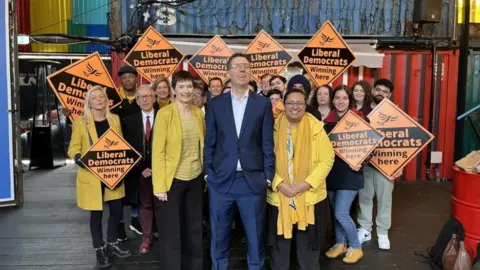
(335, 251)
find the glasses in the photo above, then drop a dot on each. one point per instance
(146, 97)
(197, 95)
(295, 104)
(240, 66)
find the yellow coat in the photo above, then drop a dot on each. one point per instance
(321, 162)
(89, 189)
(167, 145)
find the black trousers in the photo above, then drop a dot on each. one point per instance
(308, 259)
(179, 222)
(116, 209)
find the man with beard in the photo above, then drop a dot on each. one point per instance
(376, 183)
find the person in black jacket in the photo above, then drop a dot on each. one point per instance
(343, 184)
(137, 130)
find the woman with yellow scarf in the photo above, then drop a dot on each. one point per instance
(162, 89)
(304, 157)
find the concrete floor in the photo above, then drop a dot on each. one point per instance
(50, 232)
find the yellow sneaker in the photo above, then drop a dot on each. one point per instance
(336, 251)
(353, 255)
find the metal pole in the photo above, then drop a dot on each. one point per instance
(433, 82)
(462, 79)
(15, 109)
(116, 19)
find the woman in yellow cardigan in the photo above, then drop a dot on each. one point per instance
(177, 164)
(304, 157)
(91, 192)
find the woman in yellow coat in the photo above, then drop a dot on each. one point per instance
(296, 200)
(177, 165)
(91, 192)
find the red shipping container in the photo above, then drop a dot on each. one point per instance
(23, 22)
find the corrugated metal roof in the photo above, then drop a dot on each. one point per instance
(351, 17)
(90, 11)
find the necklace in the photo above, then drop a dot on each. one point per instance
(324, 113)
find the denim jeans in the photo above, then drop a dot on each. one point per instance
(345, 229)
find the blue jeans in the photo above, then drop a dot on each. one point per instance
(345, 229)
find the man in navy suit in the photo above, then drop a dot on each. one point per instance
(239, 164)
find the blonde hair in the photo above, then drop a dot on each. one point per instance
(158, 81)
(87, 112)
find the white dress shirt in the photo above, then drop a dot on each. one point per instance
(239, 106)
(144, 116)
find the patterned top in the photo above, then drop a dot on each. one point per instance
(190, 165)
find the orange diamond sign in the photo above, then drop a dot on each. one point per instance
(326, 56)
(110, 158)
(266, 56)
(71, 83)
(353, 139)
(211, 60)
(404, 138)
(153, 56)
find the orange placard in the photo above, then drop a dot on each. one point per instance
(326, 55)
(211, 60)
(153, 56)
(266, 56)
(71, 83)
(110, 158)
(404, 138)
(353, 139)
(278, 108)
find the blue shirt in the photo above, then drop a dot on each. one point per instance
(239, 106)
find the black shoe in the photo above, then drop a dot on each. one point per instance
(121, 234)
(103, 261)
(115, 250)
(135, 226)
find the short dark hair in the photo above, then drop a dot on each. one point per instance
(278, 77)
(197, 86)
(181, 76)
(215, 79)
(275, 92)
(346, 89)
(235, 55)
(314, 101)
(254, 85)
(385, 82)
(294, 90)
(265, 75)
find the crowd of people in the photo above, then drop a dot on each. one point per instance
(215, 156)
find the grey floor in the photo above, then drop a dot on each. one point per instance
(50, 232)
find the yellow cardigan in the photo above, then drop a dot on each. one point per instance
(321, 163)
(167, 145)
(89, 191)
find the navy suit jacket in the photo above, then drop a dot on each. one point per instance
(253, 147)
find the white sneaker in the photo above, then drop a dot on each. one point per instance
(383, 242)
(364, 235)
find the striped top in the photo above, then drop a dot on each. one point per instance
(190, 165)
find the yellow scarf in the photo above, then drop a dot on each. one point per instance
(162, 102)
(302, 215)
(122, 93)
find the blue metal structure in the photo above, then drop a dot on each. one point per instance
(350, 17)
(7, 192)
